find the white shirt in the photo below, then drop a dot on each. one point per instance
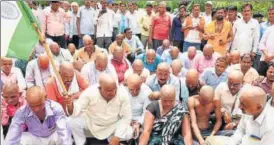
(92, 74)
(88, 17)
(193, 35)
(246, 37)
(133, 19)
(63, 56)
(116, 17)
(72, 25)
(105, 25)
(208, 18)
(104, 118)
(134, 43)
(267, 41)
(139, 103)
(262, 127)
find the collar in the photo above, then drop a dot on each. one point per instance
(11, 72)
(157, 83)
(117, 61)
(261, 117)
(48, 110)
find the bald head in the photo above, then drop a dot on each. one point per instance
(192, 79)
(10, 87)
(206, 94)
(66, 71)
(88, 43)
(78, 65)
(192, 74)
(87, 38)
(118, 53)
(55, 48)
(43, 61)
(252, 100)
(234, 57)
(119, 39)
(191, 52)
(66, 67)
(71, 48)
(150, 56)
(208, 51)
(235, 75)
(36, 97)
(168, 92)
(174, 52)
(134, 83)
(107, 86)
(138, 66)
(101, 61)
(166, 43)
(163, 66)
(6, 65)
(176, 67)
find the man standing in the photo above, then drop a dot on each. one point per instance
(177, 35)
(219, 33)
(54, 23)
(73, 31)
(145, 24)
(247, 29)
(103, 110)
(207, 15)
(45, 120)
(104, 27)
(86, 20)
(193, 28)
(256, 125)
(133, 19)
(160, 27)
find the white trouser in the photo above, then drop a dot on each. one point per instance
(29, 139)
(80, 131)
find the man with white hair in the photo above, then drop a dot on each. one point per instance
(73, 32)
(256, 125)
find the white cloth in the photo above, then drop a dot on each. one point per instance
(105, 25)
(103, 118)
(266, 43)
(249, 32)
(35, 76)
(90, 72)
(88, 17)
(139, 103)
(116, 18)
(208, 18)
(193, 35)
(72, 25)
(29, 139)
(73, 88)
(134, 43)
(262, 127)
(64, 56)
(145, 73)
(134, 19)
(2, 136)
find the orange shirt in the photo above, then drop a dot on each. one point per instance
(210, 29)
(81, 54)
(52, 89)
(114, 44)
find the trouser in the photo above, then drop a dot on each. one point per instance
(179, 44)
(81, 40)
(188, 44)
(203, 43)
(29, 139)
(104, 42)
(114, 34)
(156, 43)
(80, 131)
(75, 41)
(144, 40)
(263, 66)
(256, 63)
(58, 39)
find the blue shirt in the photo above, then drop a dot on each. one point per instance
(151, 67)
(210, 78)
(161, 49)
(176, 33)
(166, 57)
(55, 120)
(152, 82)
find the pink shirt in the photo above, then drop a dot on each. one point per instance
(54, 22)
(121, 68)
(9, 110)
(160, 26)
(200, 63)
(16, 77)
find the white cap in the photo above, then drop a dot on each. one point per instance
(209, 2)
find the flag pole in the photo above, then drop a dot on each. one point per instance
(44, 44)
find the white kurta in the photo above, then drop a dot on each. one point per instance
(104, 118)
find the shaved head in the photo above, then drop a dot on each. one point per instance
(235, 81)
(55, 48)
(134, 83)
(191, 52)
(168, 97)
(78, 65)
(43, 61)
(208, 51)
(88, 43)
(67, 73)
(235, 75)
(107, 86)
(71, 48)
(192, 79)
(119, 39)
(10, 87)
(234, 57)
(176, 67)
(36, 97)
(163, 66)
(166, 43)
(6, 65)
(138, 66)
(252, 100)
(101, 61)
(118, 53)
(162, 73)
(206, 94)
(150, 56)
(174, 52)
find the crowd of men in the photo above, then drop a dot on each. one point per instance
(142, 76)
